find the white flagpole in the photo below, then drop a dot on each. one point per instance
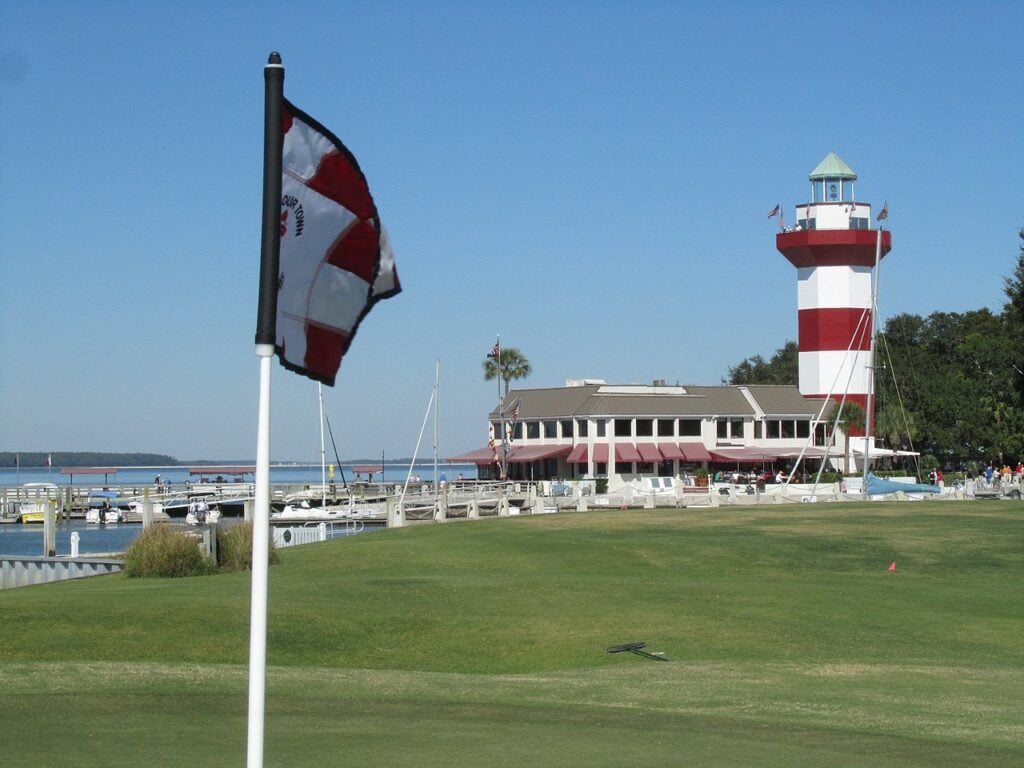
(323, 453)
(260, 567)
(266, 322)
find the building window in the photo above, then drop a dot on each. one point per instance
(773, 429)
(551, 429)
(803, 429)
(757, 430)
(723, 429)
(581, 427)
(666, 427)
(601, 468)
(689, 427)
(517, 431)
(566, 429)
(645, 427)
(496, 430)
(624, 467)
(736, 429)
(859, 223)
(601, 427)
(645, 468)
(623, 427)
(665, 469)
(533, 430)
(788, 428)
(820, 434)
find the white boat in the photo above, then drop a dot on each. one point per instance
(199, 513)
(303, 510)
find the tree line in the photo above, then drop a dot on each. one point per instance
(84, 459)
(949, 385)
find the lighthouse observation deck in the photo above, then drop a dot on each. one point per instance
(832, 247)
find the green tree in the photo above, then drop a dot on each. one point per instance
(1013, 311)
(514, 365)
(783, 368)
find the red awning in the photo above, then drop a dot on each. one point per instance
(527, 453)
(648, 452)
(671, 451)
(695, 451)
(479, 456)
(578, 455)
(627, 452)
(367, 469)
(233, 470)
(601, 453)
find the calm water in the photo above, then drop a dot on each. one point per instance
(27, 540)
(292, 473)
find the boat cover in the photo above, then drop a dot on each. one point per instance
(878, 485)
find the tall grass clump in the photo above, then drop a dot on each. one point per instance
(234, 548)
(162, 551)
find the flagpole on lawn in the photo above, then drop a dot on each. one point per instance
(266, 321)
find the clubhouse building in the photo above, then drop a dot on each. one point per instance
(625, 433)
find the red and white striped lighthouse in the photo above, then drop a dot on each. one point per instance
(834, 250)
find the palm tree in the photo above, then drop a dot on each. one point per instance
(514, 365)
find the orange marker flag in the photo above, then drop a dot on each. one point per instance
(892, 567)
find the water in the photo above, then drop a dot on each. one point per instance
(291, 474)
(26, 540)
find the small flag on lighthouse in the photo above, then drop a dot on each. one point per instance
(775, 211)
(884, 213)
(336, 260)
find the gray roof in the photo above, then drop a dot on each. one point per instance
(783, 400)
(611, 401)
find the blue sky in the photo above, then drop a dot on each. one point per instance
(587, 179)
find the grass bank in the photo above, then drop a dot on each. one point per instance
(483, 643)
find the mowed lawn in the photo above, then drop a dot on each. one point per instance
(484, 643)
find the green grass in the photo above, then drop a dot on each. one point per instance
(483, 644)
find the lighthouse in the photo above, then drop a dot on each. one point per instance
(834, 250)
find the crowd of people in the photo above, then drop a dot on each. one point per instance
(994, 477)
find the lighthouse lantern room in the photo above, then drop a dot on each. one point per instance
(834, 250)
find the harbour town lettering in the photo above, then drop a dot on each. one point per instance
(292, 203)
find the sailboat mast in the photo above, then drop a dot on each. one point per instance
(869, 420)
(437, 398)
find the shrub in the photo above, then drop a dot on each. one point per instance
(161, 551)
(234, 548)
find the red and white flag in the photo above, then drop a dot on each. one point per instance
(775, 211)
(336, 260)
(884, 213)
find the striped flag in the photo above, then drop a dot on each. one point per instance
(513, 418)
(884, 213)
(336, 260)
(495, 352)
(775, 211)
